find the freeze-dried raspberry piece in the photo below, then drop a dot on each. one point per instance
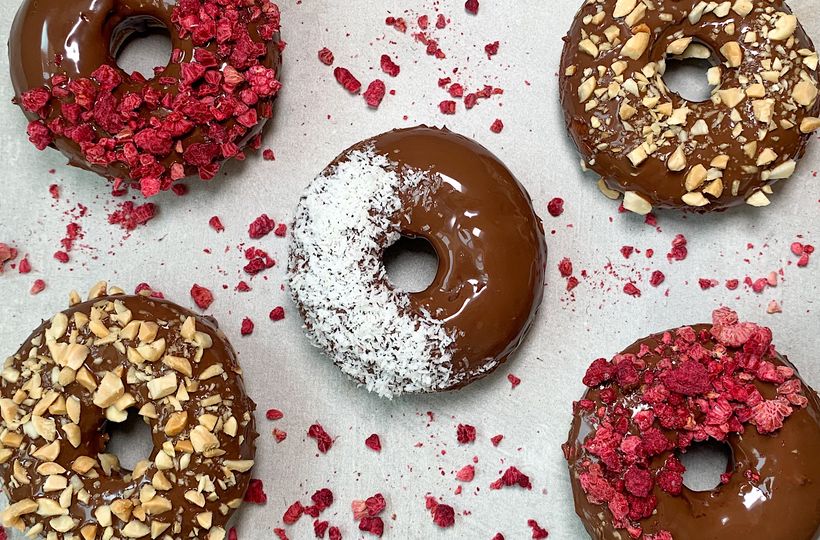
(268, 155)
(679, 249)
(690, 378)
(497, 126)
(512, 477)
(247, 327)
(374, 443)
(256, 492)
(260, 227)
(279, 435)
(280, 533)
(768, 415)
(7, 253)
(374, 94)
(397, 22)
(216, 224)
(465, 433)
(470, 101)
(35, 99)
(491, 49)
(274, 414)
(375, 505)
(471, 6)
(496, 439)
(24, 267)
(277, 314)
(565, 267)
(202, 296)
(498, 536)
(129, 217)
(555, 207)
(657, 278)
(631, 290)
(372, 525)
(37, 287)
(39, 135)
(293, 513)
(538, 532)
(444, 516)
(598, 372)
(232, 534)
(638, 481)
(466, 473)
(323, 499)
(389, 66)
(347, 80)
(447, 106)
(320, 528)
(323, 440)
(335, 534)
(326, 56)
(441, 21)
(514, 381)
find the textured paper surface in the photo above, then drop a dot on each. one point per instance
(315, 121)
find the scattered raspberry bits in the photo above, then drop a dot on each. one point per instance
(374, 443)
(247, 327)
(491, 49)
(326, 56)
(471, 6)
(465, 433)
(347, 80)
(389, 66)
(375, 93)
(277, 314)
(497, 126)
(274, 414)
(261, 227)
(538, 532)
(203, 297)
(323, 440)
(256, 492)
(37, 287)
(556, 207)
(443, 514)
(447, 106)
(512, 477)
(216, 224)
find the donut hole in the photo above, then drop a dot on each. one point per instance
(687, 74)
(130, 441)
(141, 44)
(411, 263)
(705, 462)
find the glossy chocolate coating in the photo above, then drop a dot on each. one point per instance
(85, 34)
(783, 504)
(488, 239)
(105, 489)
(605, 149)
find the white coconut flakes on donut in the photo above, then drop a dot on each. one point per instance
(369, 328)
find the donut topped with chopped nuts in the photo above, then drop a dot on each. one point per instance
(96, 363)
(724, 383)
(207, 104)
(662, 151)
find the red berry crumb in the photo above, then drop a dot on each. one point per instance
(471, 6)
(373, 525)
(514, 381)
(444, 516)
(274, 414)
(202, 297)
(466, 473)
(247, 326)
(491, 49)
(374, 94)
(37, 287)
(374, 443)
(556, 207)
(216, 224)
(256, 492)
(496, 439)
(631, 290)
(293, 513)
(260, 227)
(512, 477)
(323, 440)
(497, 126)
(679, 250)
(24, 267)
(268, 155)
(465, 433)
(657, 278)
(389, 66)
(538, 532)
(326, 56)
(447, 106)
(277, 314)
(347, 80)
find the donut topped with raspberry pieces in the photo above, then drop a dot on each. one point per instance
(724, 383)
(206, 105)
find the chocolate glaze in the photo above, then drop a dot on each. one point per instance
(122, 484)
(488, 239)
(85, 34)
(605, 150)
(782, 505)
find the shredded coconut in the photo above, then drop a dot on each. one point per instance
(345, 220)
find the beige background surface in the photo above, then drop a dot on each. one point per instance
(315, 121)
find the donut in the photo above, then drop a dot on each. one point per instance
(95, 364)
(205, 106)
(662, 151)
(442, 187)
(723, 382)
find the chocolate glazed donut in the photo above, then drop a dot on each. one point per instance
(214, 95)
(455, 194)
(94, 364)
(663, 151)
(772, 487)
